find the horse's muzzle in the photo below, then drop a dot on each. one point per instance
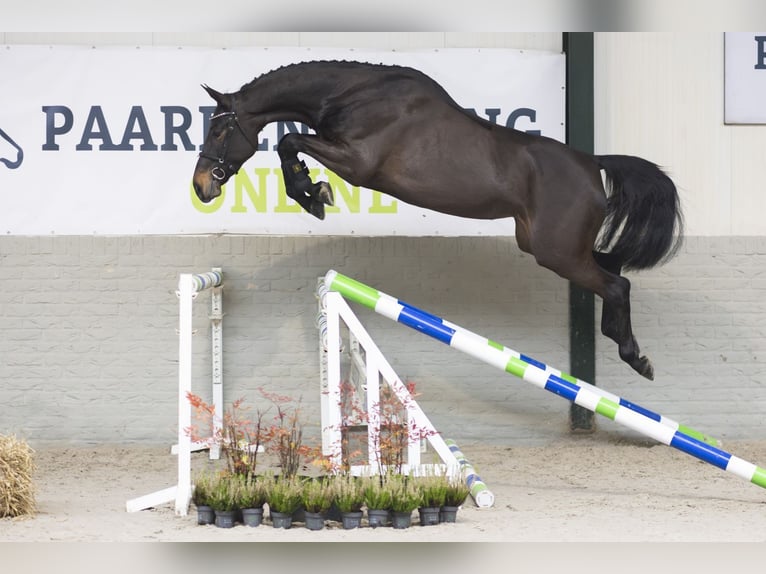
(206, 187)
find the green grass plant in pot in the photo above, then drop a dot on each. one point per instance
(405, 497)
(251, 496)
(456, 494)
(377, 499)
(201, 496)
(316, 497)
(223, 500)
(284, 499)
(433, 491)
(349, 498)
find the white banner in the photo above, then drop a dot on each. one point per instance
(104, 140)
(745, 78)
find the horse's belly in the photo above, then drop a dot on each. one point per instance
(462, 200)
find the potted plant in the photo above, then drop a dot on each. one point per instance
(455, 495)
(377, 499)
(240, 437)
(251, 496)
(405, 497)
(349, 498)
(284, 498)
(433, 490)
(223, 500)
(316, 497)
(284, 437)
(201, 496)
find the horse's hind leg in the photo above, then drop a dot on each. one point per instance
(610, 317)
(298, 185)
(568, 252)
(615, 317)
(614, 290)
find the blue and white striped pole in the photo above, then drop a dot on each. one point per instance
(588, 396)
(480, 352)
(202, 281)
(480, 493)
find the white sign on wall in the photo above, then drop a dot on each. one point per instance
(745, 78)
(104, 140)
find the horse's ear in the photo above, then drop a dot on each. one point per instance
(217, 96)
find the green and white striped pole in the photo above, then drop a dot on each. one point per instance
(593, 398)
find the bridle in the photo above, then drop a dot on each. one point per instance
(219, 171)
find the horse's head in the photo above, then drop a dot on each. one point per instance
(225, 149)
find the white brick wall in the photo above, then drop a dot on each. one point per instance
(88, 347)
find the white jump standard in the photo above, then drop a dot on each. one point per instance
(189, 286)
(373, 367)
(624, 412)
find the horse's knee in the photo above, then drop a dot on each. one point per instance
(287, 147)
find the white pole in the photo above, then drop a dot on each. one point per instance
(186, 294)
(333, 427)
(188, 287)
(216, 336)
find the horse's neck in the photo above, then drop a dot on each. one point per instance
(288, 94)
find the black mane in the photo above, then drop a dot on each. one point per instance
(342, 63)
(405, 70)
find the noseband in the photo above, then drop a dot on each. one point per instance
(219, 171)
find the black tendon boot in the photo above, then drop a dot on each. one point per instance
(297, 177)
(298, 185)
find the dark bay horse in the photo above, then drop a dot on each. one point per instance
(395, 130)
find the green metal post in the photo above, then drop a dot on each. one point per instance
(578, 47)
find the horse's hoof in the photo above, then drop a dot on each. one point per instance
(645, 368)
(317, 209)
(323, 192)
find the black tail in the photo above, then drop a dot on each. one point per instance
(644, 224)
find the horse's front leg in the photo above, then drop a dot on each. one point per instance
(298, 185)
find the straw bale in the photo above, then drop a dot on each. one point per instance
(17, 493)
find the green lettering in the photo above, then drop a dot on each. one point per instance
(257, 198)
(378, 207)
(211, 207)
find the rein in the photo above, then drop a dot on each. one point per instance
(219, 171)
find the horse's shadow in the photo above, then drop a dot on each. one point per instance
(6, 151)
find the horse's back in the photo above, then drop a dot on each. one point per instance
(408, 138)
(376, 93)
(401, 124)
